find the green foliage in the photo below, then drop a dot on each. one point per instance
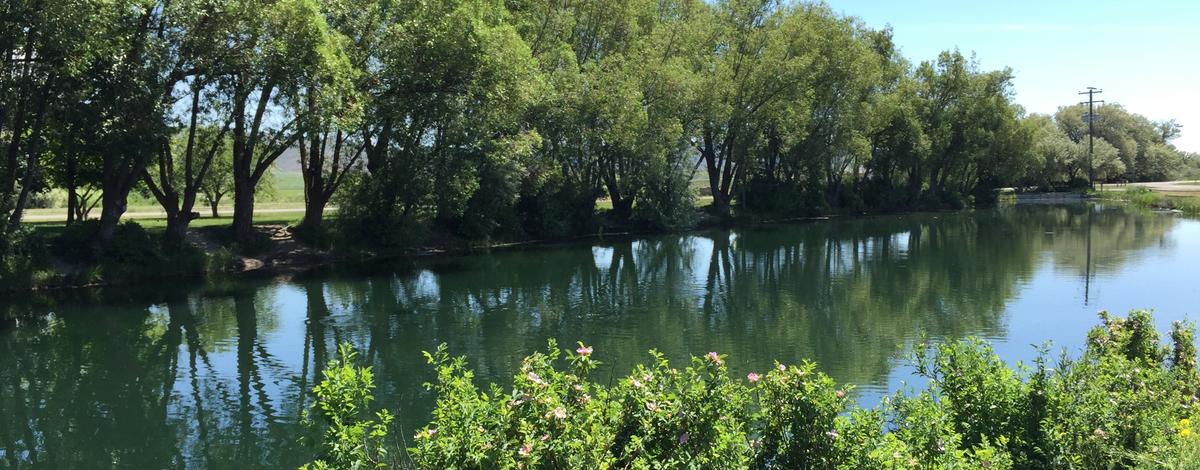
(1144, 197)
(377, 211)
(667, 201)
(22, 254)
(485, 119)
(661, 416)
(352, 436)
(70, 256)
(1122, 404)
(1128, 146)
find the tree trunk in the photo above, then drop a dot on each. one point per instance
(623, 208)
(72, 189)
(933, 181)
(32, 156)
(111, 207)
(212, 204)
(176, 233)
(72, 204)
(314, 213)
(708, 153)
(18, 128)
(312, 162)
(243, 207)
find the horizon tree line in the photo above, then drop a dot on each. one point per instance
(490, 118)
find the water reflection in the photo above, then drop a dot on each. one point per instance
(215, 376)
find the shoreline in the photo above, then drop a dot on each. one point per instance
(288, 257)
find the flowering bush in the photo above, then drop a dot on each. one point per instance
(1128, 401)
(664, 417)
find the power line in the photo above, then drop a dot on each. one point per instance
(1090, 117)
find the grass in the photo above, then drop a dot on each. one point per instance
(150, 223)
(1186, 203)
(699, 201)
(281, 191)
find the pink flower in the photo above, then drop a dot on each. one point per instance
(525, 450)
(533, 377)
(545, 437)
(560, 413)
(584, 351)
(841, 394)
(714, 358)
(636, 383)
(782, 368)
(752, 377)
(425, 433)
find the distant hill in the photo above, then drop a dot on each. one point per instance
(289, 162)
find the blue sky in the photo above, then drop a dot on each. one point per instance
(1145, 55)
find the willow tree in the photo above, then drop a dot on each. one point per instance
(1143, 146)
(826, 139)
(962, 110)
(447, 87)
(614, 119)
(760, 61)
(892, 177)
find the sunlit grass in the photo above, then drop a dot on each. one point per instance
(605, 204)
(1187, 203)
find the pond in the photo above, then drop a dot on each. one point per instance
(218, 375)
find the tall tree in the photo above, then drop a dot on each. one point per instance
(154, 48)
(331, 103)
(280, 47)
(196, 121)
(181, 166)
(759, 61)
(447, 99)
(45, 50)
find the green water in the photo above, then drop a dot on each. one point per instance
(217, 375)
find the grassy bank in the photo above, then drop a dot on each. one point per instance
(1129, 401)
(49, 254)
(1144, 197)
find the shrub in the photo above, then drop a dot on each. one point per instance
(667, 201)
(381, 211)
(45, 200)
(22, 252)
(1127, 401)
(352, 437)
(557, 209)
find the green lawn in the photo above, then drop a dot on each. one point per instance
(223, 221)
(282, 191)
(699, 201)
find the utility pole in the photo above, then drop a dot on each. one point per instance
(1090, 117)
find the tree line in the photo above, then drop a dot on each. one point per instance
(491, 118)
